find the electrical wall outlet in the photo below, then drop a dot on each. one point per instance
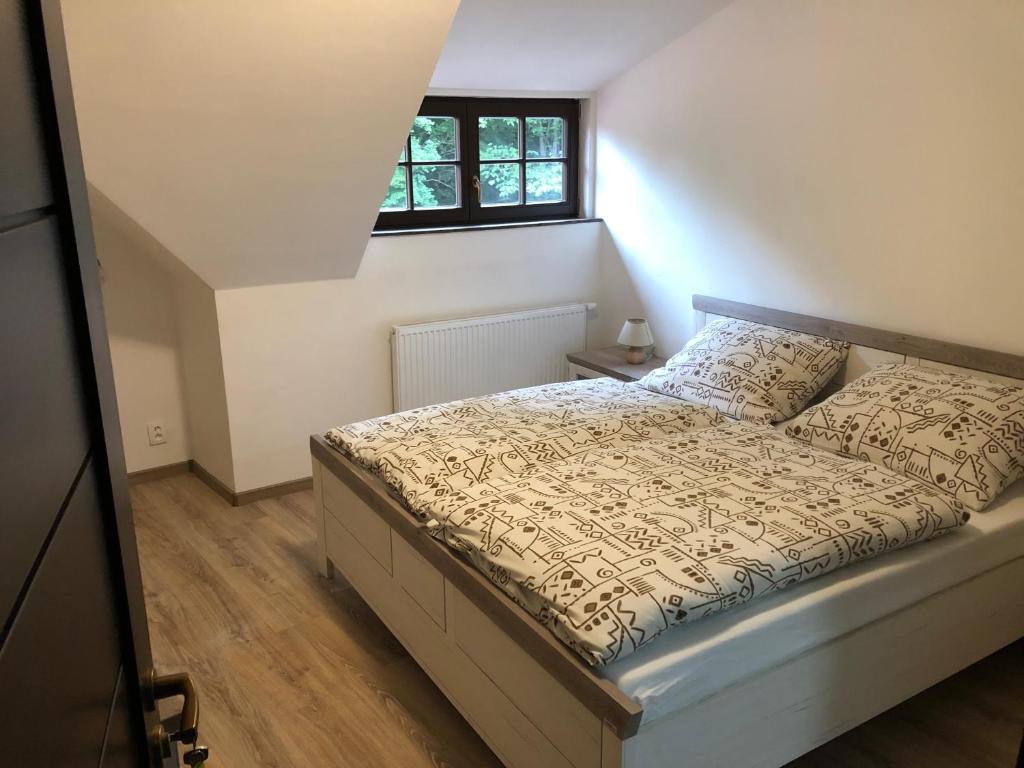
(155, 430)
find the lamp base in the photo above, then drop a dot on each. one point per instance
(636, 355)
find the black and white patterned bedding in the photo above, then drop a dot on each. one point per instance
(961, 435)
(428, 452)
(611, 551)
(614, 521)
(750, 371)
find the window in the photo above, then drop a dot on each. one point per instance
(469, 161)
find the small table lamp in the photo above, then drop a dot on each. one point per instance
(636, 335)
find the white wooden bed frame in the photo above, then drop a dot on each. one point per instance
(537, 705)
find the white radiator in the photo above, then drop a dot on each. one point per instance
(452, 359)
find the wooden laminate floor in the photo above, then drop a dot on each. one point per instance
(294, 671)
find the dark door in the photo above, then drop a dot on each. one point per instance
(74, 649)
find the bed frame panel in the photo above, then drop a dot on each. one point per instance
(773, 718)
(912, 347)
(536, 704)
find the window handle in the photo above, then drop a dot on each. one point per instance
(476, 187)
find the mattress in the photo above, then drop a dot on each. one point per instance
(692, 663)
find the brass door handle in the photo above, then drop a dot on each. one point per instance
(164, 687)
(476, 186)
(180, 684)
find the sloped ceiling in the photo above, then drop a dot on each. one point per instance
(253, 140)
(573, 46)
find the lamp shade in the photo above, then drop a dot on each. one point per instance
(636, 333)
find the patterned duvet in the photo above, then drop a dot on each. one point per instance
(619, 536)
(426, 453)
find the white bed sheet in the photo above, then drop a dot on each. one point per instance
(692, 662)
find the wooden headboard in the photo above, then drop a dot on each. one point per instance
(871, 346)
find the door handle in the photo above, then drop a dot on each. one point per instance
(179, 684)
(476, 188)
(160, 687)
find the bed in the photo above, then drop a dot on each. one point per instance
(757, 685)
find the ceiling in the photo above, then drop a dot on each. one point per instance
(254, 146)
(569, 46)
(212, 131)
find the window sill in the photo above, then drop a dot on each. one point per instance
(478, 227)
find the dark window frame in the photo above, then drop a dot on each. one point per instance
(470, 212)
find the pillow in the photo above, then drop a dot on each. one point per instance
(960, 434)
(749, 371)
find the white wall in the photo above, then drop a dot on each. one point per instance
(253, 139)
(303, 357)
(138, 300)
(203, 368)
(240, 144)
(855, 160)
(165, 347)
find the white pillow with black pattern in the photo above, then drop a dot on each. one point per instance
(962, 435)
(750, 371)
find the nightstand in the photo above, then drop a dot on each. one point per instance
(609, 361)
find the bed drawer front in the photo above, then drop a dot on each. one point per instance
(571, 726)
(515, 739)
(419, 579)
(358, 519)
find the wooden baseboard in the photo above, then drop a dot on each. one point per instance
(159, 473)
(235, 499)
(268, 491)
(216, 485)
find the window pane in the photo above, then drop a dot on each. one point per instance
(499, 138)
(545, 137)
(434, 138)
(401, 157)
(435, 186)
(545, 182)
(499, 184)
(396, 199)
